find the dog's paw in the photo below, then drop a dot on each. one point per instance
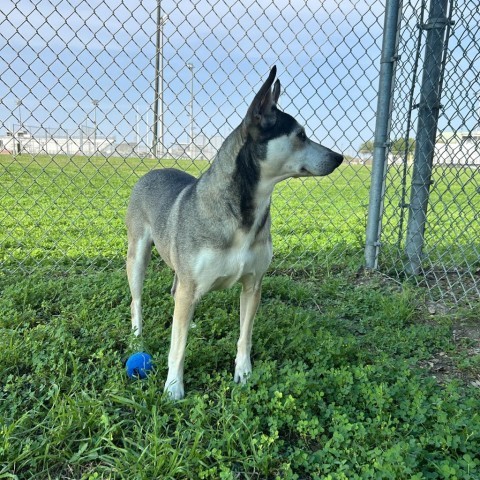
(175, 390)
(243, 370)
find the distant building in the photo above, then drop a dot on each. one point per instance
(41, 142)
(458, 149)
(130, 149)
(14, 143)
(457, 137)
(202, 148)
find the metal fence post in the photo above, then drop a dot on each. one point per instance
(382, 127)
(429, 108)
(158, 95)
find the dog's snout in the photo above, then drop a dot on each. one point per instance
(337, 158)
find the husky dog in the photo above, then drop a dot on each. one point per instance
(214, 231)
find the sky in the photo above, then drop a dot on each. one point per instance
(57, 56)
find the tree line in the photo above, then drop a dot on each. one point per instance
(398, 147)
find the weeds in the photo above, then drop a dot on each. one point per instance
(334, 393)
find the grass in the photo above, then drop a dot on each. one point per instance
(337, 390)
(451, 236)
(73, 209)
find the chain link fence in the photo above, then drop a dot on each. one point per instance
(433, 173)
(94, 93)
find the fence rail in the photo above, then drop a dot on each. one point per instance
(96, 92)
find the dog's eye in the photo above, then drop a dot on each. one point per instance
(301, 135)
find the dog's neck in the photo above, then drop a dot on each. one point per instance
(224, 162)
(235, 176)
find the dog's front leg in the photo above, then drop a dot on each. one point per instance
(183, 312)
(249, 301)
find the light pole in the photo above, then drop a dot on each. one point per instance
(190, 67)
(18, 147)
(19, 105)
(95, 105)
(158, 99)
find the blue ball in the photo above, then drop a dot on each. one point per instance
(139, 365)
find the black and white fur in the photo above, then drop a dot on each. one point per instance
(214, 231)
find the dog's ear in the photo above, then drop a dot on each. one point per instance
(260, 111)
(276, 91)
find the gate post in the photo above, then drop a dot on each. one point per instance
(429, 108)
(382, 128)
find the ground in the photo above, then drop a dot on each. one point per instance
(463, 362)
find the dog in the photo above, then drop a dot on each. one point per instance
(214, 231)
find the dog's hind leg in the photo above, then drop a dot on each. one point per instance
(174, 286)
(249, 301)
(183, 312)
(138, 258)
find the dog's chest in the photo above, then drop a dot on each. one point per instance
(218, 269)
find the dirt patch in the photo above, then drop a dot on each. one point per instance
(463, 361)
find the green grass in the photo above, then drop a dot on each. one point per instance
(71, 211)
(453, 230)
(336, 393)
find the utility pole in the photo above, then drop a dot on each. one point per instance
(95, 105)
(158, 95)
(19, 105)
(190, 67)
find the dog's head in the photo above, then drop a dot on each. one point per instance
(286, 149)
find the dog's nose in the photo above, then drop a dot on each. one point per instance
(337, 158)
